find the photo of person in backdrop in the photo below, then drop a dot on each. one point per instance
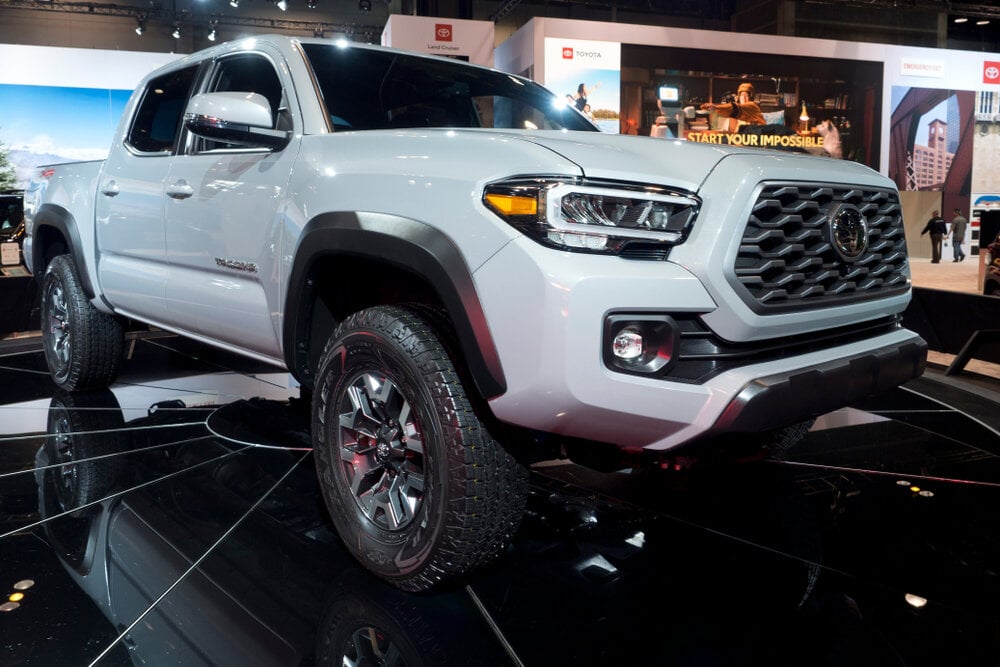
(582, 93)
(743, 109)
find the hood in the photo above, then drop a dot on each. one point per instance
(668, 162)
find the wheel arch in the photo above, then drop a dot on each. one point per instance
(55, 232)
(389, 259)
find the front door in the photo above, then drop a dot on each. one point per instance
(223, 215)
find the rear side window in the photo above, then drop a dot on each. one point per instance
(157, 122)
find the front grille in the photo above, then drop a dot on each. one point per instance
(787, 259)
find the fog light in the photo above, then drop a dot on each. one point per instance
(639, 344)
(627, 345)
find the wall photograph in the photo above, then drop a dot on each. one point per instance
(48, 124)
(823, 106)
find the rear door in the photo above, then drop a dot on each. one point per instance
(132, 266)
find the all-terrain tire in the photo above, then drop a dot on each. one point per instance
(83, 346)
(418, 489)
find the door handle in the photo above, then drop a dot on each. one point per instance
(180, 190)
(110, 189)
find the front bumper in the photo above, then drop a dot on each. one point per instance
(793, 396)
(547, 326)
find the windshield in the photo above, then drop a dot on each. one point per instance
(367, 89)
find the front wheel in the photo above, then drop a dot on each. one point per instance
(83, 346)
(418, 489)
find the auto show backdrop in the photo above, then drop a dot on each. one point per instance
(927, 118)
(66, 105)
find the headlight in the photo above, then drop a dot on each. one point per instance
(593, 217)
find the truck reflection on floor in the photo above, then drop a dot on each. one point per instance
(203, 552)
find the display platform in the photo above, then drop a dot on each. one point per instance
(175, 519)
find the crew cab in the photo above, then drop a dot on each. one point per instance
(463, 273)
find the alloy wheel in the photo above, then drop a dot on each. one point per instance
(381, 450)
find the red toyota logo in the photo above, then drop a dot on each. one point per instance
(442, 32)
(567, 53)
(991, 72)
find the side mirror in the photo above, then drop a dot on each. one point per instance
(234, 118)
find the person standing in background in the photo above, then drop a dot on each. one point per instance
(958, 225)
(937, 228)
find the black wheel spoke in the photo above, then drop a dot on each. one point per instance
(381, 450)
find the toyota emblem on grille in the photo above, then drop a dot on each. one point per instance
(848, 232)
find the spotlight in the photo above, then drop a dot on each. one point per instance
(282, 5)
(140, 27)
(211, 35)
(234, 3)
(311, 4)
(365, 5)
(177, 32)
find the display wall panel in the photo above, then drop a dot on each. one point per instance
(66, 105)
(902, 66)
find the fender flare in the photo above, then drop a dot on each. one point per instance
(407, 244)
(58, 218)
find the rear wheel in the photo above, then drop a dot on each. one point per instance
(83, 346)
(418, 489)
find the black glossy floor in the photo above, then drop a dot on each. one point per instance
(145, 525)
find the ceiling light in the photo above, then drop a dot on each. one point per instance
(983, 22)
(234, 3)
(211, 35)
(140, 27)
(177, 32)
(961, 19)
(282, 5)
(318, 32)
(311, 4)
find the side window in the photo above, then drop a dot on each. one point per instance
(247, 73)
(158, 119)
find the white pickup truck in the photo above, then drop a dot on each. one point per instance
(464, 275)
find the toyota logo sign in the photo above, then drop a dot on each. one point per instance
(991, 72)
(442, 32)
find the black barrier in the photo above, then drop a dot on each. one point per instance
(18, 304)
(989, 227)
(956, 323)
